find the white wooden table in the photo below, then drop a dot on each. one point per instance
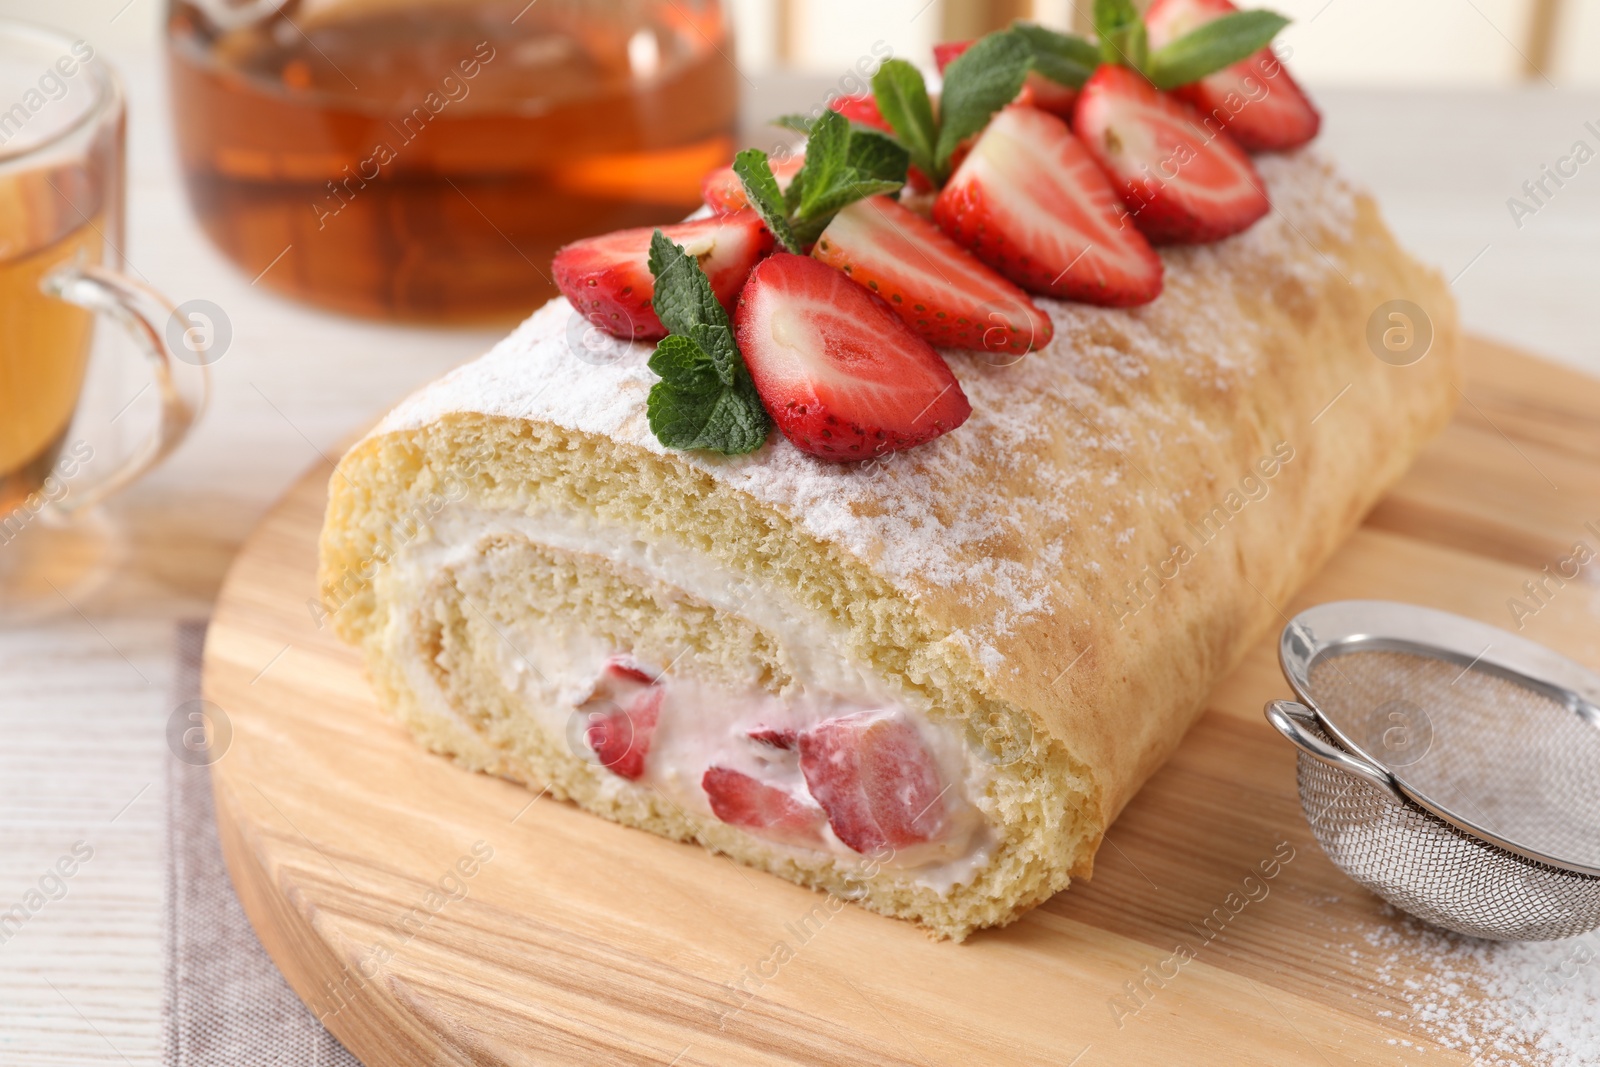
(84, 700)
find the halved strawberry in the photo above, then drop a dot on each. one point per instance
(945, 52)
(1037, 90)
(862, 108)
(1255, 99)
(724, 193)
(607, 278)
(945, 295)
(740, 800)
(839, 372)
(1032, 203)
(876, 780)
(621, 715)
(1182, 183)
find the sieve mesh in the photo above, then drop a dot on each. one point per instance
(1480, 747)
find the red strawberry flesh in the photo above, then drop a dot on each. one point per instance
(876, 780)
(782, 739)
(949, 298)
(621, 714)
(839, 372)
(1181, 182)
(740, 800)
(862, 108)
(945, 53)
(1032, 203)
(724, 194)
(607, 279)
(1255, 99)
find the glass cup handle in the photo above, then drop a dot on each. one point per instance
(143, 314)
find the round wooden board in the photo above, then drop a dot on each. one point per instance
(432, 916)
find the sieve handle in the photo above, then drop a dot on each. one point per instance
(1296, 721)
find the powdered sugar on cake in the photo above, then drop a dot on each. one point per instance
(914, 516)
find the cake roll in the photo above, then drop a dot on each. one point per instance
(926, 682)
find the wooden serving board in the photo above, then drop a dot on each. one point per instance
(432, 916)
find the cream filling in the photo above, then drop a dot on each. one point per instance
(700, 724)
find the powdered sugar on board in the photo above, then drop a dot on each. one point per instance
(932, 517)
(1500, 1003)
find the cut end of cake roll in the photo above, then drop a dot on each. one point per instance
(926, 683)
(641, 640)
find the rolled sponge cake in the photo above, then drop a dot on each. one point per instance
(928, 682)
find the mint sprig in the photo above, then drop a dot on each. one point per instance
(705, 398)
(1207, 48)
(844, 163)
(1212, 46)
(1062, 57)
(979, 82)
(1124, 42)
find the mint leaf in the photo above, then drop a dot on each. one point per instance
(1061, 57)
(692, 408)
(705, 398)
(1123, 40)
(808, 228)
(902, 98)
(796, 122)
(690, 367)
(826, 160)
(1210, 47)
(873, 155)
(981, 81)
(683, 298)
(761, 189)
(843, 163)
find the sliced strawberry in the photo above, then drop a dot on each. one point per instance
(1181, 183)
(1033, 204)
(608, 280)
(740, 800)
(1050, 96)
(876, 780)
(945, 53)
(945, 295)
(862, 108)
(724, 193)
(621, 714)
(1037, 90)
(839, 372)
(1255, 100)
(625, 668)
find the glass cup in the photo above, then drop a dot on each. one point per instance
(424, 159)
(61, 218)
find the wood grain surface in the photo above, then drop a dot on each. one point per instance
(435, 916)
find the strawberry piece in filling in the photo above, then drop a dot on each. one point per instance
(876, 780)
(740, 800)
(773, 738)
(621, 714)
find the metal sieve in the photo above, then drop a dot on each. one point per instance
(1451, 767)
